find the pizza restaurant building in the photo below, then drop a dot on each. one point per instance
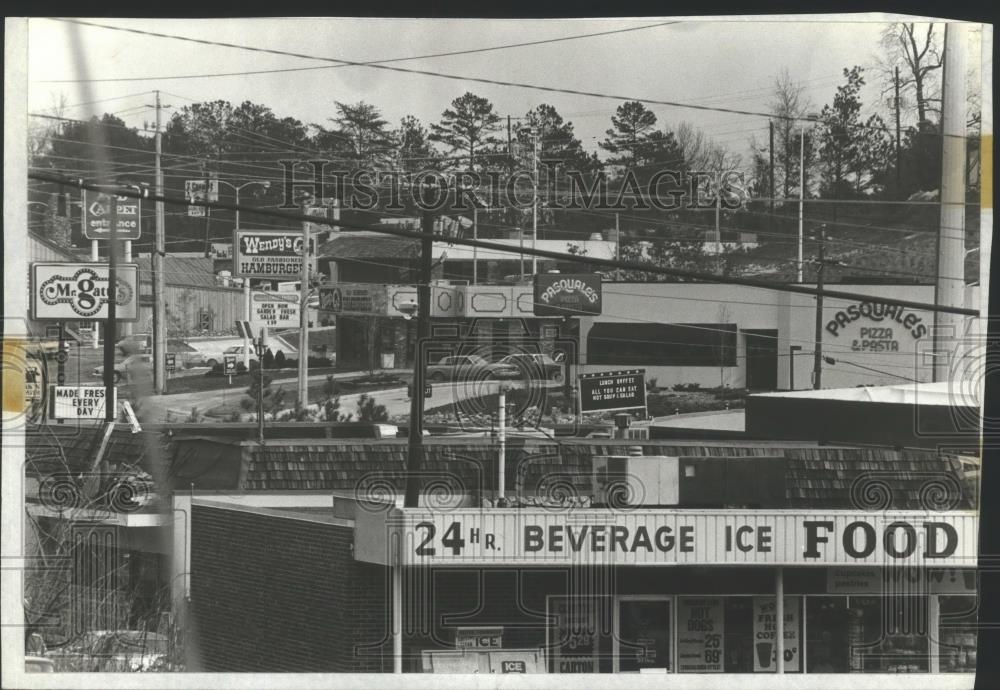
(642, 590)
(679, 333)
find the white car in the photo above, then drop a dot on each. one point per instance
(129, 367)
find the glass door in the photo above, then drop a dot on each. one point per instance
(642, 635)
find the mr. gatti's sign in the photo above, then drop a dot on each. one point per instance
(558, 294)
(262, 254)
(659, 537)
(885, 324)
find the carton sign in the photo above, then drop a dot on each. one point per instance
(558, 294)
(79, 291)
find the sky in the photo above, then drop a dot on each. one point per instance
(729, 64)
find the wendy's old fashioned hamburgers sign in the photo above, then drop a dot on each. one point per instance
(560, 294)
(267, 254)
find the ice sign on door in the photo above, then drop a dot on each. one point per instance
(272, 309)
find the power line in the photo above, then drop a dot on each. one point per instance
(374, 62)
(455, 77)
(541, 253)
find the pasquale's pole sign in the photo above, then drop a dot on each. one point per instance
(559, 294)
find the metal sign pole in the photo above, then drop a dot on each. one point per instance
(111, 329)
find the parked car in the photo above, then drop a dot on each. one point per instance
(238, 351)
(128, 367)
(212, 349)
(470, 367)
(136, 343)
(535, 367)
(112, 650)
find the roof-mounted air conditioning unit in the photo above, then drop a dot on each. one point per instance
(635, 480)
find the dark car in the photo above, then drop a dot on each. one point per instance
(470, 368)
(535, 367)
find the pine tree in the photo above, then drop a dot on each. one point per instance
(468, 126)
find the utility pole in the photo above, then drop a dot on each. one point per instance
(159, 286)
(510, 142)
(950, 286)
(770, 126)
(534, 204)
(304, 315)
(899, 184)
(818, 353)
(802, 191)
(414, 460)
(111, 330)
(618, 246)
(475, 236)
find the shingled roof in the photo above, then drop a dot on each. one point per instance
(816, 477)
(180, 270)
(364, 244)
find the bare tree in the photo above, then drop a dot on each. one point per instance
(788, 104)
(914, 49)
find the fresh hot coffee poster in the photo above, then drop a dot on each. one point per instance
(765, 628)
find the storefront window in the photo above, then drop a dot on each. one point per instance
(888, 634)
(827, 631)
(739, 634)
(643, 635)
(580, 640)
(957, 633)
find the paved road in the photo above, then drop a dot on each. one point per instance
(158, 408)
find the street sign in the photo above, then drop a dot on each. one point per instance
(79, 402)
(612, 390)
(97, 217)
(274, 309)
(229, 365)
(267, 254)
(195, 190)
(558, 294)
(171, 361)
(79, 292)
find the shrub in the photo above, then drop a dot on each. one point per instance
(331, 387)
(651, 384)
(268, 359)
(279, 360)
(368, 411)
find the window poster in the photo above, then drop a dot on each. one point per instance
(700, 635)
(575, 648)
(765, 626)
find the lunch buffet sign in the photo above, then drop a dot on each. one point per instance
(645, 537)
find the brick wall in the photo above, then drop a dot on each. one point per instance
(277, 594)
